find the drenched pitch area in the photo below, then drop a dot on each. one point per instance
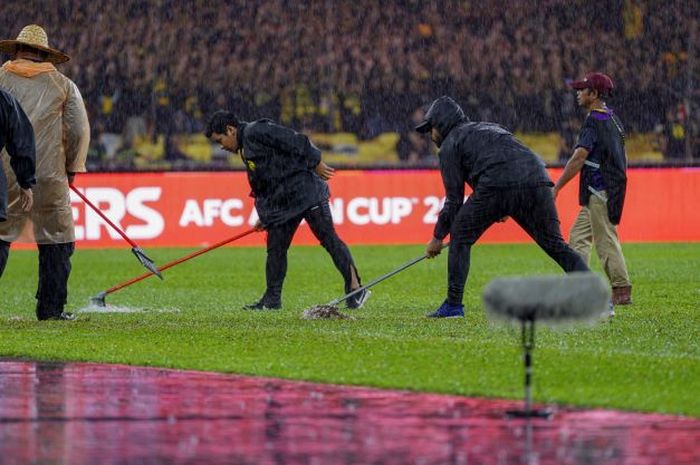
(115, 414)
(647, 359)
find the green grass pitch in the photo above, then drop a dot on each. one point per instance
(647, 358)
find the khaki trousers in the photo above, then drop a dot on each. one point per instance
(593, 228)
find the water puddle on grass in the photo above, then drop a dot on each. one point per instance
(79, 413)
(108, 309)
(121, 309)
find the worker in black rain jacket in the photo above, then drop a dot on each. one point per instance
(288, 181)
(17, 138)
(507, 179)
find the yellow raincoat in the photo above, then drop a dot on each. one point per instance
(57, 112)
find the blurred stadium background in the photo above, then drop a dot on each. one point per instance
(355, 75)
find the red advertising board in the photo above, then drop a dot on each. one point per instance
(369, 207)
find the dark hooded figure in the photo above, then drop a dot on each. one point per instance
(507, 179)
(288, 181)
(17, 136)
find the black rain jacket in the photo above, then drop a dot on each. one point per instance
(17, 135)
(481, 154)
(280, 163)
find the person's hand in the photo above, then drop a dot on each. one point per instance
(71, 178)
(26, 199)
(259, 226)
(324, 171)
(433, 248)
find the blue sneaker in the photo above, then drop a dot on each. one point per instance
(448, 311)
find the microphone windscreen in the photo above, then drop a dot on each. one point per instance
(550, 299)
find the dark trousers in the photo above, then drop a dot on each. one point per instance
(54, 270)
(4, 255)
(279, 238)
(532, 208)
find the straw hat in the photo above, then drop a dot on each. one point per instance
(34, 36)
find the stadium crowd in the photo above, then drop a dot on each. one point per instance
(364, 67)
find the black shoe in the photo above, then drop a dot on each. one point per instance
(52, 311)
(63, 316)
(359, 299)
(263, 305)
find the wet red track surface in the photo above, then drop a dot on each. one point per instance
(113, 414)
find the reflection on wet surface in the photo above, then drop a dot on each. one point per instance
(112, 414)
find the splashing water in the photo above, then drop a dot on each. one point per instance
(108, 309)
(92, 308)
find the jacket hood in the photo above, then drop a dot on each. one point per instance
(443, 115)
